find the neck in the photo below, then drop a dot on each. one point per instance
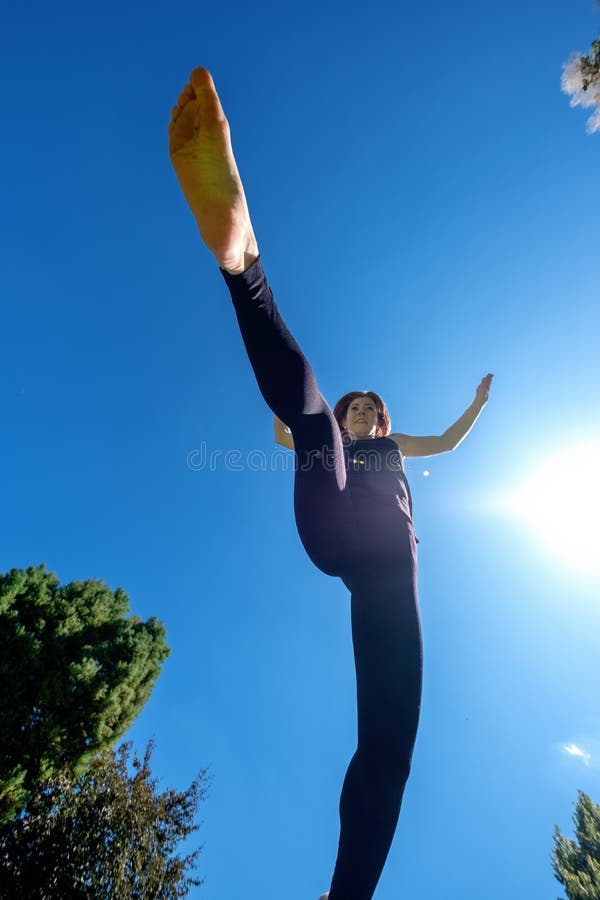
(361, 437)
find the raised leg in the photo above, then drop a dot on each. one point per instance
(202, 156)
(289, 387)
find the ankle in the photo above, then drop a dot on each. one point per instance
(249, 255)
(249, 258)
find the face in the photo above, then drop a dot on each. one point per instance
(361, 418)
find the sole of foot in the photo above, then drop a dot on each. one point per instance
(202, 156)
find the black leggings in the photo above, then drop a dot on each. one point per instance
(378, 568)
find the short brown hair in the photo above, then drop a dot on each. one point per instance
(384, 423)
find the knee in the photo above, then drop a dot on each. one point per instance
(387, 767)
(397, 770)
(314, 428)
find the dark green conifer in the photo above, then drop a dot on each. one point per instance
(577, 862)
(75, 671)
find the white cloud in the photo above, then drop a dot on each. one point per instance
(574, 750)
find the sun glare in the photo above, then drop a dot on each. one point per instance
(560, 503)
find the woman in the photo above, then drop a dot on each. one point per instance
(352, 501)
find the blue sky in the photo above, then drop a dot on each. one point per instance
(425, 202)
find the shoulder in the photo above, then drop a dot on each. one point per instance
(399, 440)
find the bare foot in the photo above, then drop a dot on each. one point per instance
(202, 156)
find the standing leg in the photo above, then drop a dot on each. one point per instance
(386, 633)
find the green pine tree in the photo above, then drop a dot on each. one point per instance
(103, 834)
(577, 862)
(74, 674)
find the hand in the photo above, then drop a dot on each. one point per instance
(281, 425)
(483, 391)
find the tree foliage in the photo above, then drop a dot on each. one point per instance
(74, 674)
(577, 862)
(581, 79)
(103, 834)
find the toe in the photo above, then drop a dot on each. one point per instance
(175, 112)
(201, 78)
(209, 105)
(186, 95)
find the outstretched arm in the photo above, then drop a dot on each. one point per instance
(410, 445)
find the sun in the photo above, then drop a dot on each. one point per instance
(560, 503)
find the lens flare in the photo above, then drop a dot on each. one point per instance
(560, 503)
